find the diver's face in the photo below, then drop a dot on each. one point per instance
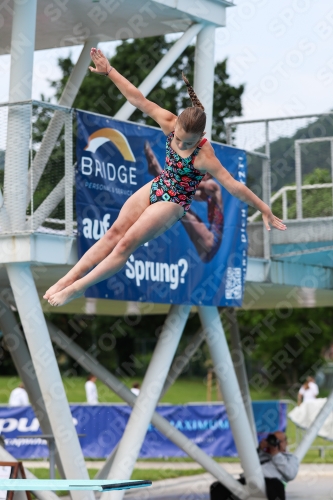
(185, 140)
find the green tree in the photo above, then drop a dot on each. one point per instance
(316, 202)
(286, 345)
(134, 59)
(122, 344)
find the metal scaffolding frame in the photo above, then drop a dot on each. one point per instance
(89, 363)
(153, 388)
(13, 216)
(48, 392)
(59, 119)
(48, 395)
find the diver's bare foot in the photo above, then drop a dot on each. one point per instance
(58, 286)
(66, 295)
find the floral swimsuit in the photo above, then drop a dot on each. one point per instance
(179, 179)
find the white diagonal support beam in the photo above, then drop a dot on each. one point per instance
(226, 376)
(57, 122)
(48, 375)
(160, 69)
(90, 364)
(18, 349)
(240, 369)
(151, 388)
(176, 369)
(64, 189)
(49, 204)
(182, 360)
(314, 428)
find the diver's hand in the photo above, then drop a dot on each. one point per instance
(103, 67)
(270, 219)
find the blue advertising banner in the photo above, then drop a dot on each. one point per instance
(201, 260)
(103, 425)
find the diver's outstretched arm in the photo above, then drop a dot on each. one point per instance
(164, 118)
(236, 188)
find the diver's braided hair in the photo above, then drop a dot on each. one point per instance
(192, 120)
(193, 96)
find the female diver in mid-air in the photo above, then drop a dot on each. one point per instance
(188, 158)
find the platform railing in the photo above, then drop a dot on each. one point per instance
(294, 147)
(49, 183)
(283, 195)
(298, 168)
(50, 186)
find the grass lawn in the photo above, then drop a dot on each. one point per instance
(138, 474)
(182, 392)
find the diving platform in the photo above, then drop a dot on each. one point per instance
(299, 270)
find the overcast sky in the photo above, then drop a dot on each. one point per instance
(282, 51)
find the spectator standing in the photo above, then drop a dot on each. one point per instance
(91, 390)
(313, 385)
(19, 397)
(308, 392)
(278, 466)
(136, 388)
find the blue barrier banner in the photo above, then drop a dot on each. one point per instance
(103, 425)
(201, 260)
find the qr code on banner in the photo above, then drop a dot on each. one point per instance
(233, 286)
